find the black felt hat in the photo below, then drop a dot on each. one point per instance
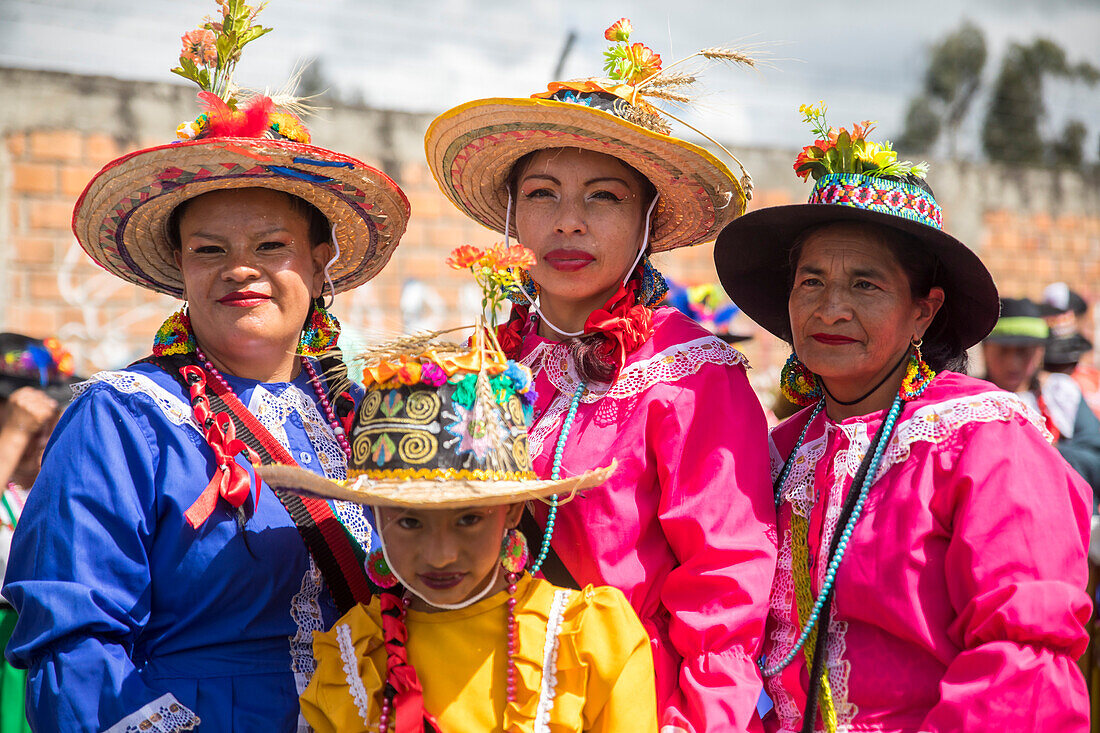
(753, 253)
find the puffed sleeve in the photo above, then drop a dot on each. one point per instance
(1016, 573)
(79, 575)
(718, 515)
(345, 691)
(610, 639)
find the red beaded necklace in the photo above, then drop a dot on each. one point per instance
(315, 382)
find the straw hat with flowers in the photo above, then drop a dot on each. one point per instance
(472, 148)
(240, 140)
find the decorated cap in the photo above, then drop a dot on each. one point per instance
(707, 305)
(855, 180)
(40, 363)
(444, 424)
(472, 148)
(239, 140)
(1022, 323)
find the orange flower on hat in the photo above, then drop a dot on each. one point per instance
(515, 256)
(646, 62)
(464, 256)
(199, 48)
(620, 30)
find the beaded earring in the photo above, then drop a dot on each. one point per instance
(321, 331)
(917, 374)
(798, 384)
(174, 335)
(653, 287)
(513, 551)
(378, 570)
(529, 286)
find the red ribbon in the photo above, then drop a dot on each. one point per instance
(231, 480)
(624, 322)
(510, 334)
(408, 699)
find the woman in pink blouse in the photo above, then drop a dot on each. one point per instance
(685, 525)
(932, 542)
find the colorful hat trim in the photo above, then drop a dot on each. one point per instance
(1021, 327)
(883, 195)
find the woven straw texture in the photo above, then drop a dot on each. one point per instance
(427, 494)
(120, 219)
(471, 150)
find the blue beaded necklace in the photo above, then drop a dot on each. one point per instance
(864, 487)
(555, 474)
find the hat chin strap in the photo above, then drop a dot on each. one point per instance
(444, 606)
(534, 303)
(328, 265)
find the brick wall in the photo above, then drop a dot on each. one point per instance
(58, 130)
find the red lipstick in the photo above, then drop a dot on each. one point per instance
(568, 260)
(441, 581)
(243, 299)
(832, 339)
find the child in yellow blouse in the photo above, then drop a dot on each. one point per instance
(460, 638)
(581, 659)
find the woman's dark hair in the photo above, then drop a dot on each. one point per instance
(318, 222)
(591, 366)
(940, 348)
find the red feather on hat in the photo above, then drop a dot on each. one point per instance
(251, 120)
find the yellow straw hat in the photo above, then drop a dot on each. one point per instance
(239, 141)
(472, 148)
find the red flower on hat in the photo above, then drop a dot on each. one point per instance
(199, 48)
(620, 30)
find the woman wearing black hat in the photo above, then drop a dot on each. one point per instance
(925, 580)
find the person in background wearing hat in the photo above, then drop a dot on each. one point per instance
(35, 378)
(932, 565)
(460, 638)
(158, 584)
(587, 177)
(1073, 348)
(1028, 339)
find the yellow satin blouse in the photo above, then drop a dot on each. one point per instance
(583, 663)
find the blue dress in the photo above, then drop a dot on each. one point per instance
(129, 619)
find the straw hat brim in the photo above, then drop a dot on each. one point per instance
(121, 218)
(472, 148)
(752, 257)
(427, 494)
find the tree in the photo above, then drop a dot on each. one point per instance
(1068, 151)
(1010, 132)
(950, 82)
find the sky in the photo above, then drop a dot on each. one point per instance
(864, 58)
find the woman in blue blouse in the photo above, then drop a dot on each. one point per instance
(158, 584)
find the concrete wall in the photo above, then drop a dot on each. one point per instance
(57, 130)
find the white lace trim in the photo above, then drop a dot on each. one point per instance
(174, 408)
(353, 517)
(351, 672)
(668, 366)
(548, 689)
(164, 715)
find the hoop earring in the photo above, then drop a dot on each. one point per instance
(174, 335)
(530, 288)
(918, 374)
(798, 384)
(653, 286)
(321, 331)
(513, 551)
(378, 570)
